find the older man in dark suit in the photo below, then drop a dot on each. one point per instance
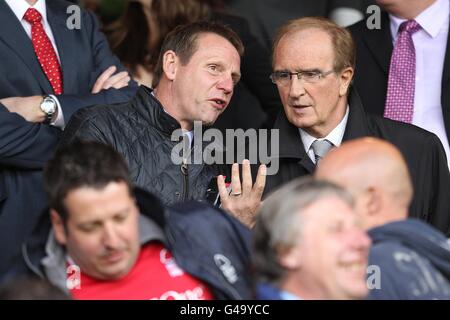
(313, 65)
(48, 71)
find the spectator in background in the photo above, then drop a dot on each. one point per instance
(402, 69)
(130, 36)
(413, 258)
(48, 72)
(308, 244)
(110, 242)
(266, 16)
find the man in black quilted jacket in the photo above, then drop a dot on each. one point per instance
(198, 67)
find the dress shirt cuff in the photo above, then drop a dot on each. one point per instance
(59, 121)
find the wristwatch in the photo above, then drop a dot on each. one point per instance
(48, 106)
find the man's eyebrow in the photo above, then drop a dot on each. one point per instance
(281, 71)
(310, 70)
(298, 70)
(89, 223)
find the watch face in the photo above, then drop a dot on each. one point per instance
(48, 106)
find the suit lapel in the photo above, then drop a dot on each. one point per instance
(373, 38)
(446, 71)
(15, 37)
(3, 191)
(357, 125)
(65, 39)
(291, 145)
(445, 88)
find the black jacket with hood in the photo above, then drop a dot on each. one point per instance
(413, 260)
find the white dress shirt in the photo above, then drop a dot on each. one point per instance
(430, 43)
(335, 137)
(19, 7)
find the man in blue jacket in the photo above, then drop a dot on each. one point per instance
(409, 259)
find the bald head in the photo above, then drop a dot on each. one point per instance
(376, 174)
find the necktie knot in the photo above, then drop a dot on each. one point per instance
(32, 16)
(321, 148)
(410, 26)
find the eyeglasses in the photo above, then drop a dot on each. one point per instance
(283, 78)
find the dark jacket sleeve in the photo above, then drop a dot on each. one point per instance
(85, 125)
(24, 144)
(103, 58)
(440, 178)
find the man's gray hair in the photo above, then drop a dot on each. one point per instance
(279, 223)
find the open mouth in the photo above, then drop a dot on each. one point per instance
(358, 267)
(219, 103)
(299, 106)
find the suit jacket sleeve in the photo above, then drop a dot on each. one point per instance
(440, 178)
(84, 126)
(25, 144)
(103, 58)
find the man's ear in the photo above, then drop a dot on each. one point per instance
(346, 79)
(58, 227)
(374, 201)
(290, 258)
(170, 64)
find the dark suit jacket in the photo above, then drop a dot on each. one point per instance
(373, 57)
(422, 150)
(25, 147)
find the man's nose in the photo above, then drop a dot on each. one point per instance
(226, 84)
(111, 237)
(360, 239)
(296, 87)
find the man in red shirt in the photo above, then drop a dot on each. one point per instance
(108, 242)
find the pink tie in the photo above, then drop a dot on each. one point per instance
(44, 50)
(402, 75)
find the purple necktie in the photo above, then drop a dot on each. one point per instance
(402, 75)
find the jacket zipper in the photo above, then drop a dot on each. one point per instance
(185, 172)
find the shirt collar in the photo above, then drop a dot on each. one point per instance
(189, 134)
(432, 19)
(289, 296)
(19, 7)
(335, 136)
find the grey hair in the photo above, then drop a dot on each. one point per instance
(279, 224)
